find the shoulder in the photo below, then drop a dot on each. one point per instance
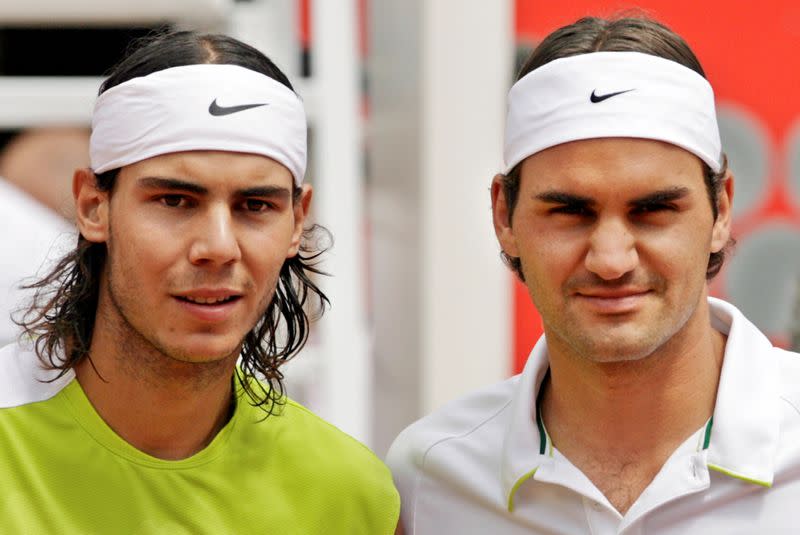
(457, 419)
(23, 378)
(315, 447)
(789, 393)
(328, 439)
(775, 372)
(788, 369)
(789, 377)
(335, 469)
(461, 432)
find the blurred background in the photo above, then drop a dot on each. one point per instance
(406, 102)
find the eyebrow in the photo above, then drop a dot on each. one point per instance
(662, 196)
(562, 197)
(265, 191)
(175, 184)
(155, 182)
(656, 197)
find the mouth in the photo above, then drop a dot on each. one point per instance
(210, 306)
(614, 302)
(614, 295)
(198, 300)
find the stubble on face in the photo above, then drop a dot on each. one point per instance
(146, 358)
(614, 338)
(627, 220)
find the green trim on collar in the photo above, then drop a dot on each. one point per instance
(542, 432)
(543, 438)
(707, 439)
(739, 476)
(516, 486)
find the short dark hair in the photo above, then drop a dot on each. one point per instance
(629, 34)
(61, 317)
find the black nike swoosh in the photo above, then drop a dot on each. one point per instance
(595, 98)
(218, 111)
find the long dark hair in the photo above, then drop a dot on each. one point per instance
(629, 34)
(61, 317)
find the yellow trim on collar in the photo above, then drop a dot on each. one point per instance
(739, 476)
(516, 486)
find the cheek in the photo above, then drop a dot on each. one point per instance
(547, 265)
(552, 255)
(682, 247)
(678, 259)
(266, 252)
(144, 260)
(155, 250)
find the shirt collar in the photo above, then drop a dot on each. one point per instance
(525, 444)
(744, 437)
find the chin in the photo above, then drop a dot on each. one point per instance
(621, 355)
(619, 348)
(204, 352)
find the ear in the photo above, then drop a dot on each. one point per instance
(721, 232)
(501, 219)
(301, 206)
(91, 206)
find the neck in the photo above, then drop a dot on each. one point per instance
(649, 406)
(164, 407)
(642, 403)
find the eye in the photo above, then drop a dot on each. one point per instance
(650, 208)
(174, 200)
(572, 209)
(257, 205)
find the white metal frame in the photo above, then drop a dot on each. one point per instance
(122, 12)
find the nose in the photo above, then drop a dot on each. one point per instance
(215, 241)
(612, 250)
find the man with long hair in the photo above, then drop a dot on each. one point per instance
(647, 406)
(146, 395)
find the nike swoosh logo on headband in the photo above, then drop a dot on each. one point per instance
(218, 111)
(595, 98)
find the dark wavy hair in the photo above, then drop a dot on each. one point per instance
(61, 316)
(629, 34)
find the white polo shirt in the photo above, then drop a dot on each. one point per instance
(485, 464)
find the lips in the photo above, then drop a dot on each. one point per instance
(207, 300)
(209, 306)
(612, 294)
(614, 301)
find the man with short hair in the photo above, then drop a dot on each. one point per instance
(124, 410)
(647, 406)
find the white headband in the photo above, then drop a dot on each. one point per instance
(198, 107)
(611, 94)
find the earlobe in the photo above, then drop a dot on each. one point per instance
(501, 218)
(301, 208)
(721, 232)
(91, 206)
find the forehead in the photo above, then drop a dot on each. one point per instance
(211, 169)
(612, 165)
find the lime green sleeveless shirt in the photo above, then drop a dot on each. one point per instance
(64, 471)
